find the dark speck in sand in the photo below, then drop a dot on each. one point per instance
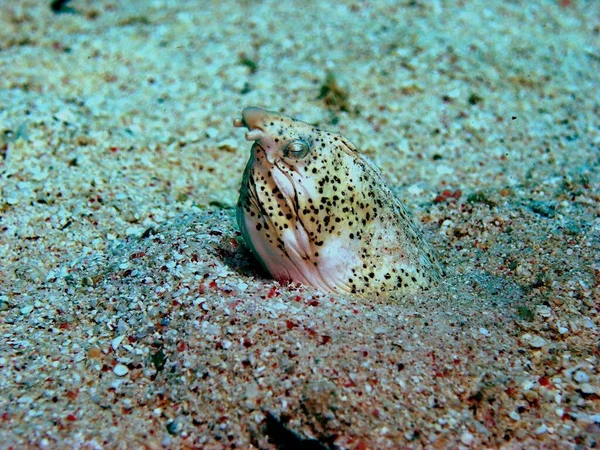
(544, 209)
(525, 313)
(159, 360)
(285, 439)
(333, 95)
(480, 197)
(61, 7)
(148, 232)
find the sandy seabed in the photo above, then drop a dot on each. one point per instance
(132, 315)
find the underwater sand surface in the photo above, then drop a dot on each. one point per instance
(131, 313)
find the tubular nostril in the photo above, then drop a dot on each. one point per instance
(254, 135)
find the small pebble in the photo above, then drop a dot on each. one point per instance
(544, 311)
(541, 429)
(588, 389)
(537, 342)
(211, 132)
(94, 352)
(174, 427)
(134, 231)
(581, 377)
(409, 435)
(527, 385)
(120, 370)
(466, 438)
(116, 342)
(26, 309)
(228, 144)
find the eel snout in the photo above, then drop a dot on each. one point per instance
(253, 118)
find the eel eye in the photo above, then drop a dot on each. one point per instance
(296, 149)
